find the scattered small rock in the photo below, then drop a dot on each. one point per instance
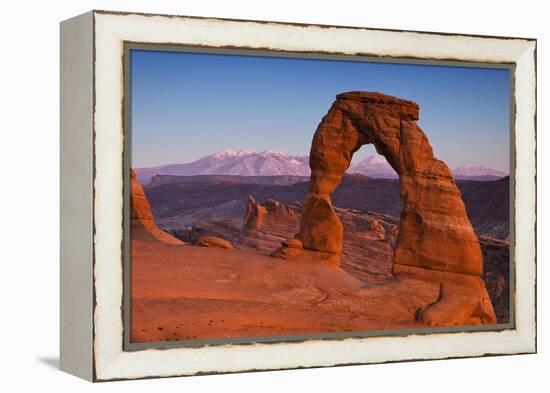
(213, 241)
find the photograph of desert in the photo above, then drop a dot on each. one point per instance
(280, 197)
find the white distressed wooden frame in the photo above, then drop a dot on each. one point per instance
(92, 90)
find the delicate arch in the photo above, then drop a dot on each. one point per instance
(434, 232)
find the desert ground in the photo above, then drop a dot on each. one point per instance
(188, 292)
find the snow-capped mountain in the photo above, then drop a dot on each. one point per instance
(373, 166)
(377, 166)
(244, 162)
(476, 171)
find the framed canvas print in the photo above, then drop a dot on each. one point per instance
(245, 195)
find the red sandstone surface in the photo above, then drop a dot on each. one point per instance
(141, 219)
(188, 292)
(184, 292)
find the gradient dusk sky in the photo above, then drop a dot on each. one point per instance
(188, 105)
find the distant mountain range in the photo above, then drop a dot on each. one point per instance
(228, 162)
(477, 172)
(373, 166)
(377, 166)
(246, 162)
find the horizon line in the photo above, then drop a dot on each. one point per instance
(249, 151)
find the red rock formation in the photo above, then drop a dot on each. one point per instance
(255, 214)
(435, 233)
(141, 219)
(367, 244)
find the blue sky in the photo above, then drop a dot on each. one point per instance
(187, 105)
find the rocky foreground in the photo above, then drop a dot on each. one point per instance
(191, 292)
(369, 240)
(182, 289)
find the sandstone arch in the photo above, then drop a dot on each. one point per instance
(436, 239)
